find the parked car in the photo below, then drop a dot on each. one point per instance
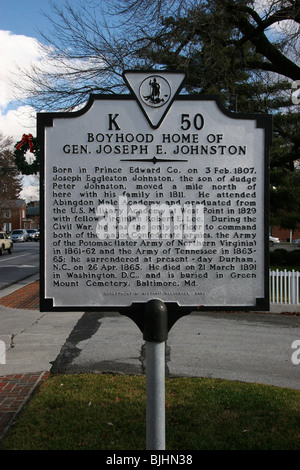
(273, 240)
(32, 234)
(297, 242)
(5, 243)
(19, 235)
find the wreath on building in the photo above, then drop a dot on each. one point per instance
(28, 142)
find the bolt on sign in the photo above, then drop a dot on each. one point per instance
(154, 195)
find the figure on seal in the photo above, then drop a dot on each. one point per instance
(154, 96)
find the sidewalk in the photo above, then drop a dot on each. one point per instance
(16, 389)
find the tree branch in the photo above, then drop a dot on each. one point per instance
(278, 61)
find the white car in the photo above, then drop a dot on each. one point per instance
(297, 242)
(273, 240)
(19, 235)
(5, 243)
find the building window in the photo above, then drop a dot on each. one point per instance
(7, 227)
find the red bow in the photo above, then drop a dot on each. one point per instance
(26, 139)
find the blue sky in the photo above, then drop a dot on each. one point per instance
(20, 22)
(23, 19)
(24, 16)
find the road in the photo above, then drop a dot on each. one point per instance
(21, 264)
(240, 346)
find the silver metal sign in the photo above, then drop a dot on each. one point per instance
(154, 195)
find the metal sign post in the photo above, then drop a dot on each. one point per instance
(155, 334)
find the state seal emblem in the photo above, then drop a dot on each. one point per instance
(155, 91)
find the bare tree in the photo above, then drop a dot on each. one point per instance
(92, 43)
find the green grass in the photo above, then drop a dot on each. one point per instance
(103, 411)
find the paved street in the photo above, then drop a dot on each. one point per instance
(251, 347)
(20, 265)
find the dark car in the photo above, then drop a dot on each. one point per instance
(32, 234)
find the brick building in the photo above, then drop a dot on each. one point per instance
(284, 234)
(14, 216)
(33, 213)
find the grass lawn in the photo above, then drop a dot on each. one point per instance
(107, 412)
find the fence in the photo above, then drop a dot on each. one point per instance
(284, 287)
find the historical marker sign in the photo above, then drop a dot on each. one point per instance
(153, 195)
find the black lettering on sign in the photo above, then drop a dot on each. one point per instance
(113, 122)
